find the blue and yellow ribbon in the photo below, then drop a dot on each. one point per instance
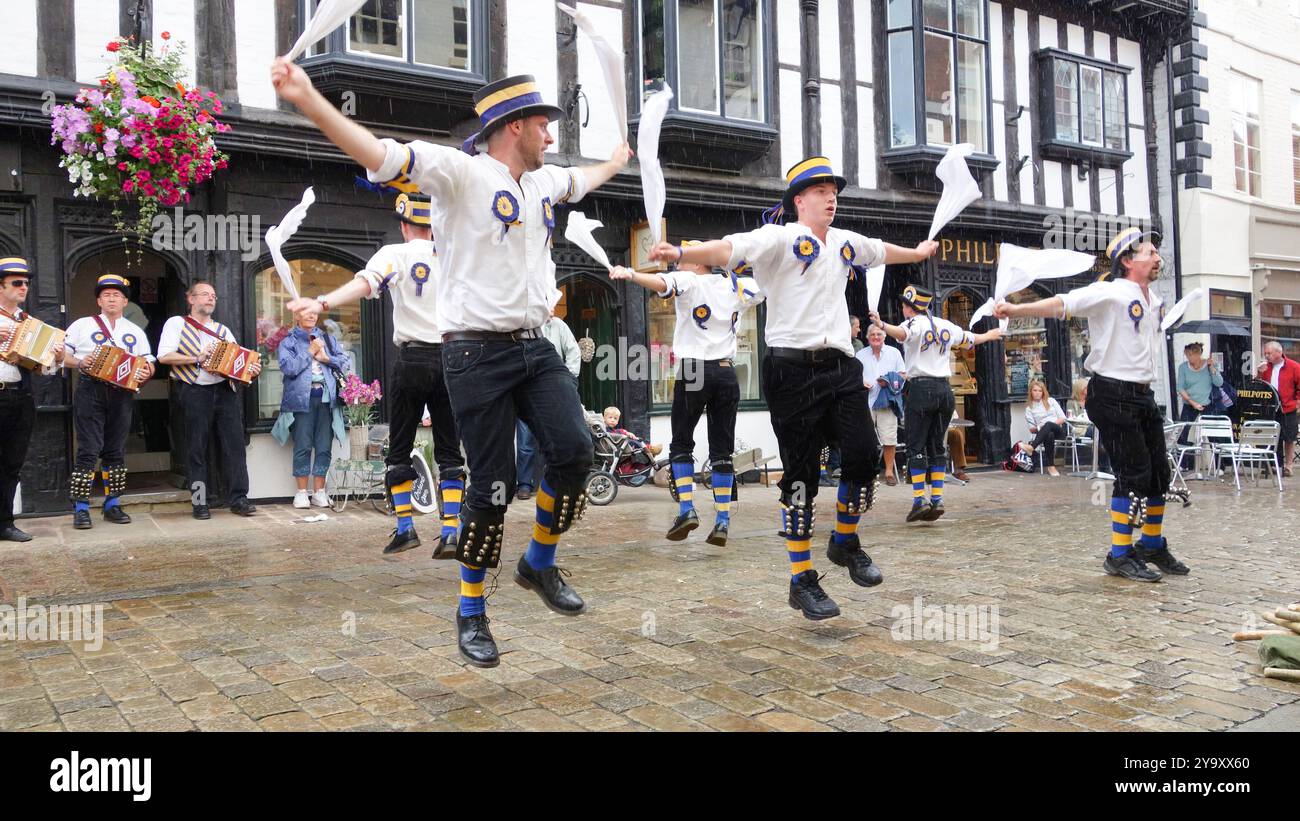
(505, 208)
(806, 250)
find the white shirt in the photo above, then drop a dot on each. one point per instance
(874, 368)
(496, 277)
(1121, 348)
(84, 335)
(1036, 415)
(1275, 377)
(170, 342)
(929, 339)
(562, 339)
(708, 307)
(410, 272)
(806, 308)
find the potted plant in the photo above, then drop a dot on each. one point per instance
(359, 400)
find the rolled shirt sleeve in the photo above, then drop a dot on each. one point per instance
(380, 273)
(761, 248)
(434, 170)
(1086, 300)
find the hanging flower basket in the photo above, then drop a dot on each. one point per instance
(141, 136)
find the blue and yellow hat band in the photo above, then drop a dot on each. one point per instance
(506, 100)
(917, 297)
(107, 281)
(1127, 240)
(13, 265)
(809, 169)
(413, 209)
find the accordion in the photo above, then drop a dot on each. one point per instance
(116, 367)
(32, 345)
(231, 361)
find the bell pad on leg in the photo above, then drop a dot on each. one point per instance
(480, 538)
(80, 484)
(860, 497)
(570, 505)
(798, 521)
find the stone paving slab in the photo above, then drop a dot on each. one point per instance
(269, 623)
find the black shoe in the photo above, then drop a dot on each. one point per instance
(201, 512)
(9, 533)
(81, 520)
(719, 534)
(475, 640)
(1130, 567)
(551, 587)
(523, 494)
(445, 547)
(936, 510)
(402, 542)
(116, 515)
(683, 525)
(806, 594)
(851, 555)
(1163, 559)
(919, 512)
(244, 508)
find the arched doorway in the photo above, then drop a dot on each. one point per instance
(590, 309)
(157, 293)
(959, 305)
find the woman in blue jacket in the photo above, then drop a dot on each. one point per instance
(311, 363)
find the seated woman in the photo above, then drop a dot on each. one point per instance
(1046, 422)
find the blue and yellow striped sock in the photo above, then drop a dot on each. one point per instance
(722, 485)
(110, 501)
(846, 524)
(541, 549)
(918, 487)
(453, 493)
(401, 493)
(1121, 532)
(684, 478)
(799, 550)
(471, 590)
(937, 474)
(1154, 523)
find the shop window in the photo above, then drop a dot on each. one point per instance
(1083, 108)
(1279, 319)
(274, 323)
(1026, 347)
(1080, 346)
(663, 320)
(958, 308)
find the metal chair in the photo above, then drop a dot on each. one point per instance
(1175, 451)
(1257, 448)
(1214, 434)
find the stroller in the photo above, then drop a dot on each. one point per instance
(618, 460)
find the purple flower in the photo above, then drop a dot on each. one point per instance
(112, 135)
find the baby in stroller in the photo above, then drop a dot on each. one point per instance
(621, 457)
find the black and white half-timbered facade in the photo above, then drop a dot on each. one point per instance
(1065, 101)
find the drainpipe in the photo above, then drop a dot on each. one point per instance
(1173, 206)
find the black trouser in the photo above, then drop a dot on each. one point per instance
(102, 417)
(1046, 438)
(705, 386)
(17, 415)
(812, 404)
(1187, 414)
(206, 407)
(418, 383)
(493, 383)
(1132, 431)
(928, 404)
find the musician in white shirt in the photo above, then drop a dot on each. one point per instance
(101, 412)
(812, 382)
(1124, 315)
(707, 308)
(495, 222)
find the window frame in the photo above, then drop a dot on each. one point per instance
(919, 30)
(337, 46)
(1051, 143)
(760, 330)
(1245, 117)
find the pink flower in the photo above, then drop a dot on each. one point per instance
(144, 176)
(128, 186)
(154, 157)
(147, 189)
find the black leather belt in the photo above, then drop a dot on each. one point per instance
(492, 336)
(11, 386)
(432, 346)
(801, 355)
(725, 363)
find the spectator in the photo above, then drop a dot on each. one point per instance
(855, 332)
(527, 466)
(1046, 422)
(1283, 374)
(1196, 378)
(957, 450)
(882, 367)
(311, 362)
(612, 416)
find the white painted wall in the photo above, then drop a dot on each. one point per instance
(866, 138)
(177, 18)
(787, 32)
(601, 136)
(828, 37)
(1137, 200)
(791, 118)
(862, 36)
(18, 38)
(531, 48)
(95, 25)
(270, 466)
(832, 127)
(254, 51)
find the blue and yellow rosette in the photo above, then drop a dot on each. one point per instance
(850, 256)
(548, 219)
(735, 317)
(420, 272)
(506, 209)
(945, 339)
(806, 250)
(129, 341)
(99, 338)
(701, 314)
(929, 338)
(1135, 313)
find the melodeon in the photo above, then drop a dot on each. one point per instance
(116, 367)
(231, 361)
(32, 345)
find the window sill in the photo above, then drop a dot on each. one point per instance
(917, 163)
(710, 143)
(426, 97)
(1074, 152)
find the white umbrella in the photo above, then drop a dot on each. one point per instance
(330, 14)
(653, 189)
(276, 236)
(611, 64)
(1180, 308)
(959, 187)
(578, 231)
(1018, 268)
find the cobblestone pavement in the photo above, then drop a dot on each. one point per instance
(272, 624)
